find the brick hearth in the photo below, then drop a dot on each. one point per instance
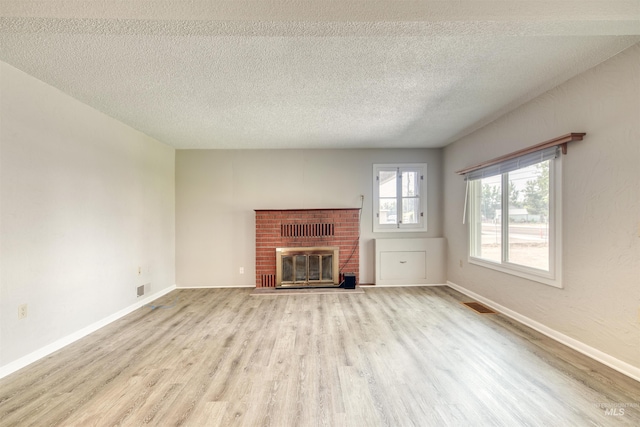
(305, 227)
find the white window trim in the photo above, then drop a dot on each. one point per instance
(422, 225)
(554, 276)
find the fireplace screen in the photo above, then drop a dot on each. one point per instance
(311, 266)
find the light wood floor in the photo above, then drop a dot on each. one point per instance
(390, 356)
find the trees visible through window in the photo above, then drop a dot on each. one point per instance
(513, 219)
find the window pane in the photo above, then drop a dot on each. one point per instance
(528, 234)
(410, 211)
(388, 184)
(388, 211)
(487, 241)
(397, 202)
(410, 184)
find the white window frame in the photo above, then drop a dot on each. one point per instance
(554, 276)
(421, 168)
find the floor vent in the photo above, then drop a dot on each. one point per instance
(479, 307)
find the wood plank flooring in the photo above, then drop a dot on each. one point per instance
(389, 357)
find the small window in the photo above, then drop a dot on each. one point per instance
(514, 221)
(399, 198)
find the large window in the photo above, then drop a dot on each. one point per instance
(399, 197)
(514, 217)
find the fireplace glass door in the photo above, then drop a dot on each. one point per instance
(306, 266)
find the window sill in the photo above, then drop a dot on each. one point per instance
(400, 230)
(525, 273)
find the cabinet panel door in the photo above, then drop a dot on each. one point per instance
(403, 265)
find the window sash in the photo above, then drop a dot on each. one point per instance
(406, 196)
(474, 186)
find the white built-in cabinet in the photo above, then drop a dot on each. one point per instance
(410, 261)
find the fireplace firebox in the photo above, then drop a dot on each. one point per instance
(307, 266)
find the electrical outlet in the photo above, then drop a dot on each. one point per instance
(139, 270)
(22, 311)
(241, 270)
(460, 263)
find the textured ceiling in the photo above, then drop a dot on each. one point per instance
(312, 73)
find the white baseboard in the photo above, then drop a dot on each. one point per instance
(404, 285)
(62, 342)
(600, 356)
(217, 287)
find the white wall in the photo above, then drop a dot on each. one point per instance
(600, 302)
(84, 201)
(218, 190)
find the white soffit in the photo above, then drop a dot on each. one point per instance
(313, 73)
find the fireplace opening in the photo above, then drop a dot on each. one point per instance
(307, 266)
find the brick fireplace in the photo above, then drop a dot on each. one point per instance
(304, 228)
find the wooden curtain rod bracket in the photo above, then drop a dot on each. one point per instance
(561, 141)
